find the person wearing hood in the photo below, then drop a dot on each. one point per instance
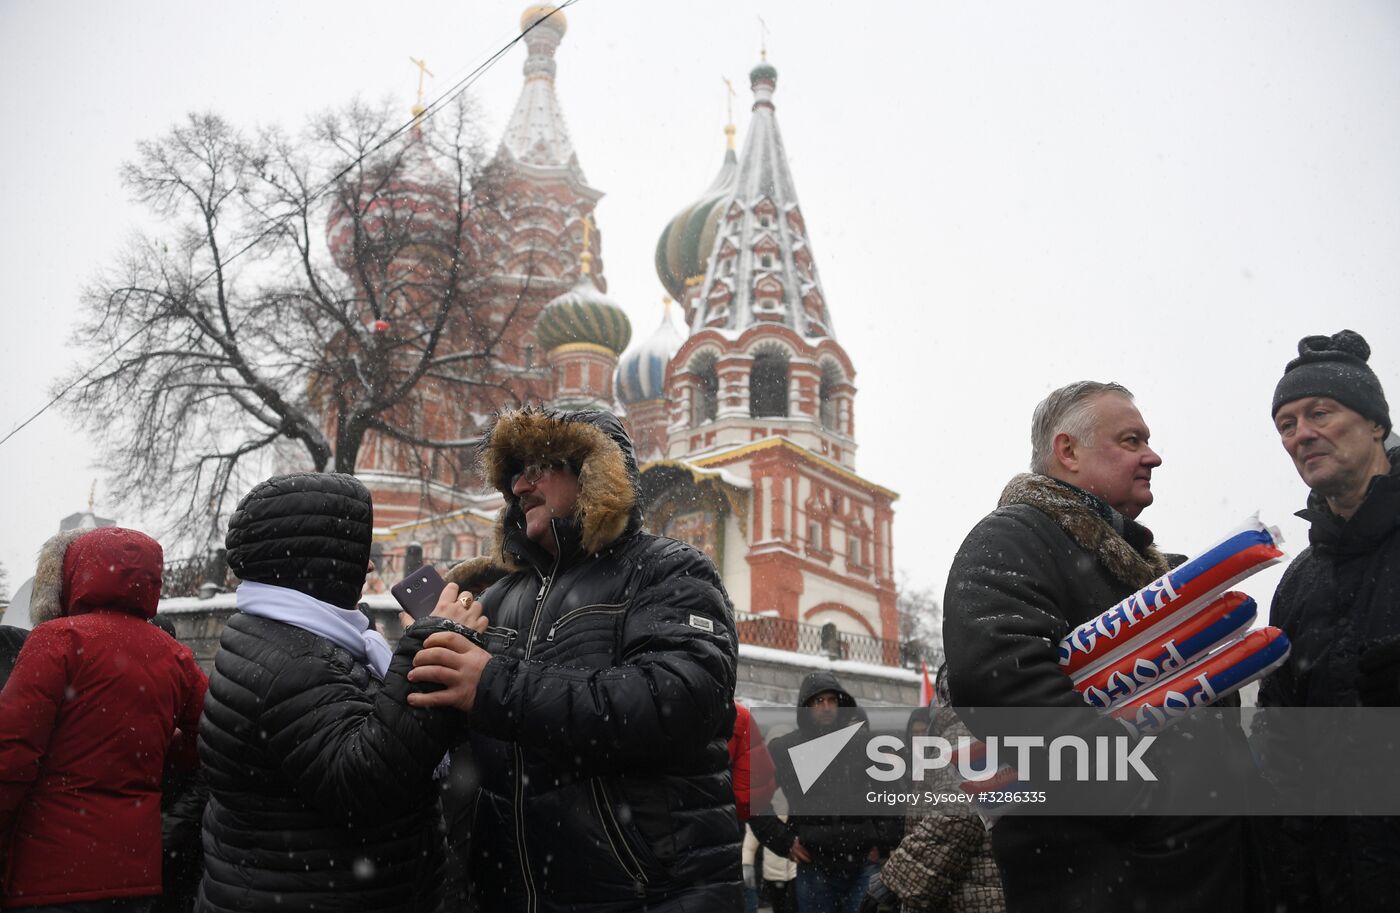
(836, 855)
(1339, 604)
(600, 709)
(321, 777)
(98, 703)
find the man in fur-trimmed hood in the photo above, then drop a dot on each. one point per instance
(1063, 545)
(599, 711)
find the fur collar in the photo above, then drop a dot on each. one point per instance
(607, 498)
(46, 596)
(1087, 527)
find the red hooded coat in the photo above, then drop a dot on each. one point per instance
(87, 720)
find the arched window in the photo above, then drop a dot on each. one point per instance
(706, 402)
(768, 384)
(826, 396)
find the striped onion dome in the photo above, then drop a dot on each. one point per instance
(583, 314)
(683, 250)
(641, 373)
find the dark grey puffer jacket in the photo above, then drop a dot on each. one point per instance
(600, 724)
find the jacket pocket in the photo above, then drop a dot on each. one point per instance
(613, 608)
(622, 852)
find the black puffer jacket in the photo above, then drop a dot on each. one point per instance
(1338, 597)
(599, 726)
(320, 779)
(838, 844)
(1049, 558)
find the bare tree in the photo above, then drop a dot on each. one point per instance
(238, 327)
(920, 623)
(4, 586)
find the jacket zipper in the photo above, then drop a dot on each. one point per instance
(603, 803)
(609, 609)
(546, 580)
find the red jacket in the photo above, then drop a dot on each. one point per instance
(86, 722)
(750, 765)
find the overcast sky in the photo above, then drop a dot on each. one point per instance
(1002, 198)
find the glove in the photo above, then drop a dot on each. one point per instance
(878, 896)
(1380, 673)
(750, 879)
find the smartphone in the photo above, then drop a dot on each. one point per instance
(418, 592)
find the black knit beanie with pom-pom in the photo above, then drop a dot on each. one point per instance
(1334, 366)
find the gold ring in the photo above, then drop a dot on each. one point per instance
(465, 600)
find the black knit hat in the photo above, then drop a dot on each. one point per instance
(310, 532)
(1334, 366)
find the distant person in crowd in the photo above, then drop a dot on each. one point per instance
(752, 771)
(944, 864)
(750, 764)
(775, 875)
(599, 714)
(11, 639)
(836, 855)
(1063, 545)
(97, 705)
(183, 795)
(1339, 604)
(321, 784)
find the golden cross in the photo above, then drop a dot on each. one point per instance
(729, 101)
(422, 68)
(762, 38)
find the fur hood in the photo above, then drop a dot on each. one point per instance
(592, 440)
(81, 570)
(1089, 528)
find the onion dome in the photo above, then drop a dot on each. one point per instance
(684, 248)
(641, 373)
(584, 314)
(764, 72)
(416, 205)
(543, 11)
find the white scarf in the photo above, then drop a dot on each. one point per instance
(348, 628)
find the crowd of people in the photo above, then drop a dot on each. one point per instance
(561, 734)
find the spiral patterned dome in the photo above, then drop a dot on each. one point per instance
(641, 373)
(683, 251)
(583, 314)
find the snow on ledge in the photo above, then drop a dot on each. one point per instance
(812, 662)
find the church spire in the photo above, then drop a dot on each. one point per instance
(762, 271)
(536, 135)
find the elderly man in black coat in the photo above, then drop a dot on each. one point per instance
(1339, 603)
(600, 710)
(1063, 545)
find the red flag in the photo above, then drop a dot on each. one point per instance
(926, 689)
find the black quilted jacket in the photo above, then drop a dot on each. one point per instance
(600, 724)
(321, 795)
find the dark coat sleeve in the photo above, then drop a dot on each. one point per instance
(1004, 617)
(670, 694)
(354, 754)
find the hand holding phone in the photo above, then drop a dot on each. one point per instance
(418, 592)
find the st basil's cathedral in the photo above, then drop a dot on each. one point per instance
(744, 424)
